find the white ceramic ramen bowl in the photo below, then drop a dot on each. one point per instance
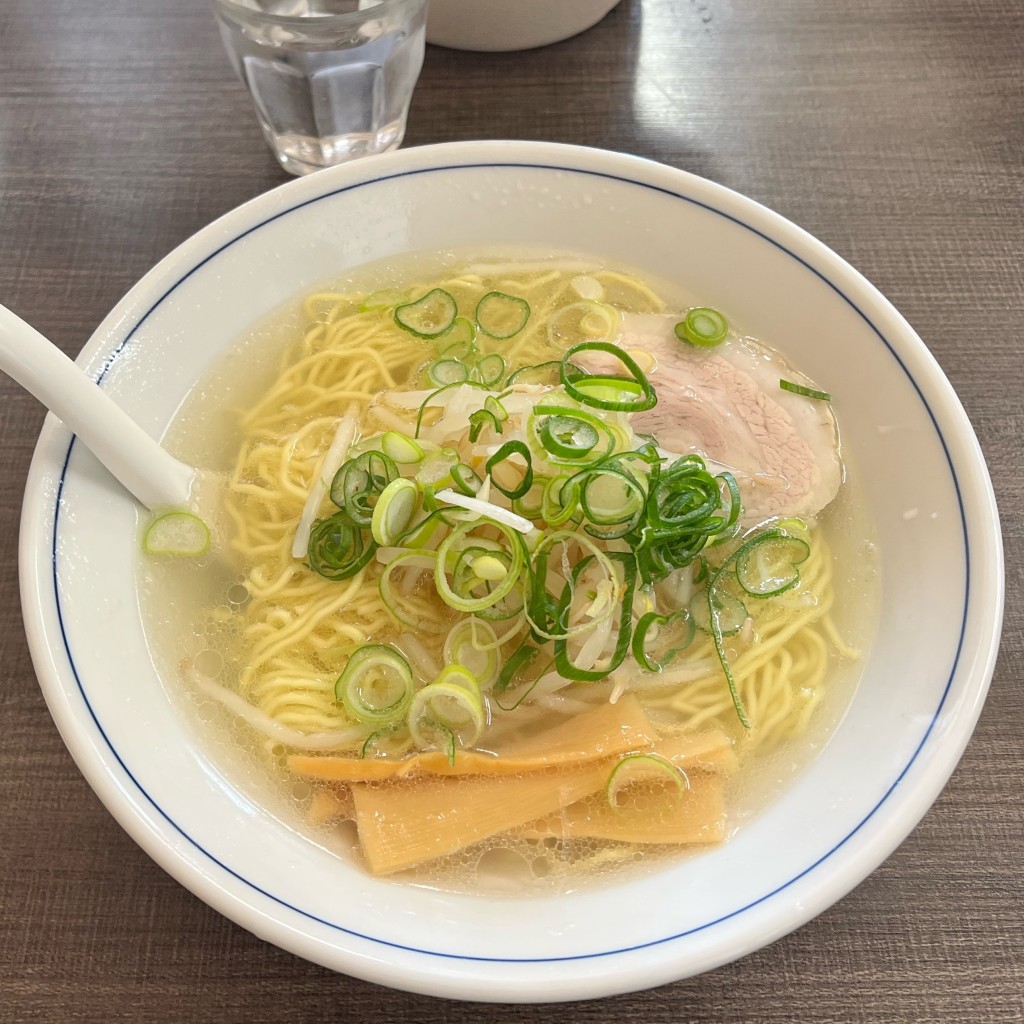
(925, 675)
(494, 25)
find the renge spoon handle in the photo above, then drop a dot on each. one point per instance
(151, 474)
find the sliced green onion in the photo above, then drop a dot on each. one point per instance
(401, 449)
(437, 467)
(683, 512)
(542, 609)
(585, 423)
(424, 533)
(582, 388)
(473, 644)
(495, 408)
(466, 480)
(568, 436)
(444, 710)
(394, 511)
(502, 316)
(491, 369)
(674, 633)
(716, 635)
(424, 405)
(460, 675)
(460, 341)
(729, 611)
(767, 564)
(531, 504)
(799, 389)
(375, 737)
(645, 771)
(560, 501)
(376, 686)
(429, 316)
(516, 677)
(358, 482)
(703, 326)
(565, 666)
(176, 533)
(611, 498)
(447, 371)
(468, 600)
(482, 418)
(540, 373)
(505, 452)
(421, 560)
(337, 548)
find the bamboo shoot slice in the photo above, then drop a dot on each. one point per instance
(607, 730)
(402, 824)
(332, 804)
(698, 817)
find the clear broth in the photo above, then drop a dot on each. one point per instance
(176, 597)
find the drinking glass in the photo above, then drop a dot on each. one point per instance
(331, 80)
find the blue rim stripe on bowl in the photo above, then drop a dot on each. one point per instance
(109, 361)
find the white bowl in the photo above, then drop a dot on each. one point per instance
(493, 25)
(925, 677)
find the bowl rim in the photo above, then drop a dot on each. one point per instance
(913, 800)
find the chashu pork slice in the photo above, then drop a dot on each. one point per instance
(726, 405)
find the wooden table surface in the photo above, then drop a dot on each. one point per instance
(891, 129)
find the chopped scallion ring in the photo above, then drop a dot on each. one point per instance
(585, 423)
(447, 371)
(460, 341)
(359, 481)
(491, 369)
(766, 565)
(338, 549)
(618, 593)
(639, 779)
(466, 480)
(376, 686)
(518, 676)
(418, 560)
(429, 316)
(177, 533)
(703, 326)
(799, 389)
(425, 404)
(676, 630)
(581, 387)
(436, 467)
(540, 373)
(495, 408)
(443, 710)
(482, 418)
(505, 452)
(472, 643)
(401, 449)
(475, 596)
(394, 511)
(730, 612)
(568, 437)
(502, 316)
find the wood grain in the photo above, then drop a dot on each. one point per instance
(891, 129)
